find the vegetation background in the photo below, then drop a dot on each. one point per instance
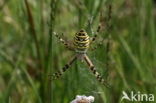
(125, 54)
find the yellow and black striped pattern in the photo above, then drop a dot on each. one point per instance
(81, 42)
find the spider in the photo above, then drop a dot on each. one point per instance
(80, 45)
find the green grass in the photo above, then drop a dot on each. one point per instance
(29, 52)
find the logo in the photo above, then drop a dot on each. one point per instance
(137, 96)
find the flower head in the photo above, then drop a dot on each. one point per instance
(83, 99)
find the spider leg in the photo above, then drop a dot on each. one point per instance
(65, 43)
(104, 42)
(98, 45)
(96, 33)
(59, 73)
(96, 74)
(104, 23)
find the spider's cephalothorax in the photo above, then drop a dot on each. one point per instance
(81, 41)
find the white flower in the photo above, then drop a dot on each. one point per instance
(83, 99)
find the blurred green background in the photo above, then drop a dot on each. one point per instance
(29, 52)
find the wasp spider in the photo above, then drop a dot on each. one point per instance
(81, 44)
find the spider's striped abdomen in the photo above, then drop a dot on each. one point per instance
(81, 42)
